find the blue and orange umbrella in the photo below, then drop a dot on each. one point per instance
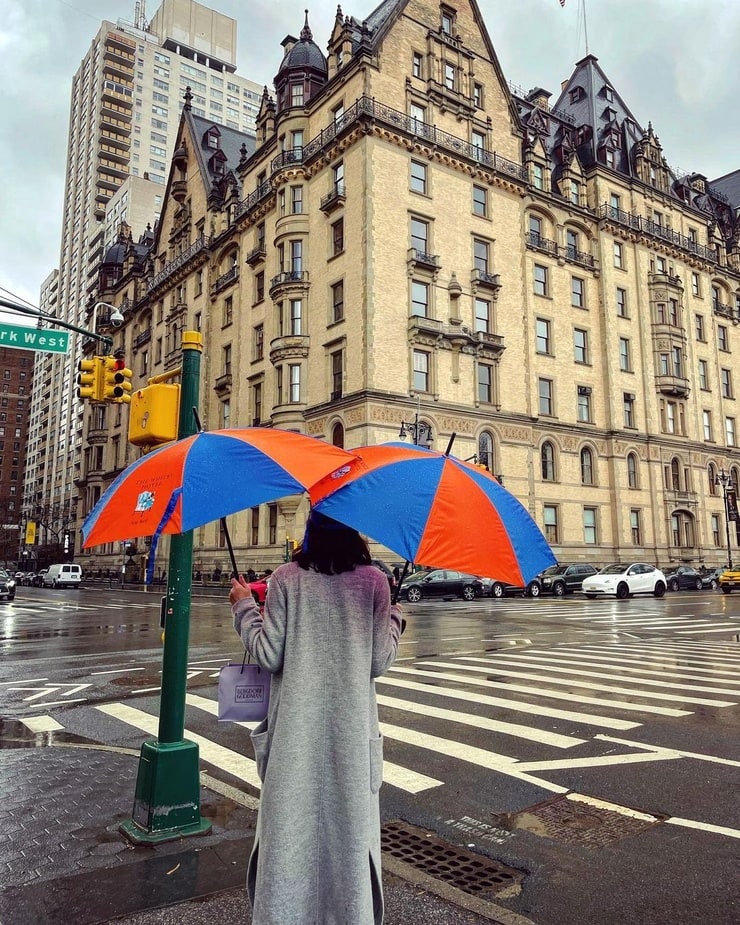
(205, 477)
(435, 510)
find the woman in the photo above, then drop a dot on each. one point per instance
(328, 630)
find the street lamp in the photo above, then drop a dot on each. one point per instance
(116, 317)
(419, 431)
(724, 480)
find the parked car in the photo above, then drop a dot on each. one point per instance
(683, 577)
(623, 579)
(710, 577)
(564, 579)
(7, 585)
(440, 582)
(492, 587)
(38, 578)
(729, 580)
(62, 575)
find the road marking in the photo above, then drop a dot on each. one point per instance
(704, 826)
(40, 723)
(51, 689)
(495, 668)
(481, 722)
(597, 761)
(116, 670)
(520, 706)
(669, 655)
(713, 759)
(23, 681)
(700, 629)
(548, 692)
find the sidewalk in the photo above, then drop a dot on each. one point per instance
(64, 861)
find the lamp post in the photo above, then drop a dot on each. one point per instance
(419, 431)
(116, 317)
(724, 479)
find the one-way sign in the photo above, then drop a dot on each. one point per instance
(25, 338)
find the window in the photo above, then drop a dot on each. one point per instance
(480, 255)
(695, 284)
(615, 202)
(571, 244)
(418, 181)
(730, 431)
(632, 471)
(587, 466)
(584, 404)
(547, 458)
(296, 311)
(722, 337)
(256, 403)
(635, 527)
(716, 535)
(483, 315)
(417, 64)
(699, 327)
(726, 383)
(703, 375)
(419, 299)
(296, 94)
(226, 413)
(550, 523)
(535, 230)
(682, 530)
(672, 417)
(338, 179)
(337, 374)
(337, 301)
(450, 81)
(706, 417)
(589, 525)
(258, 342)
(337, 237)
(542, 328)
(485, 383)
(545, 388)
(480, 201)
(296, 257)
(577, 297)
(625, 363)
(540, 280)
(574, 191)
(677, 362)
(448, 22)
(228, 315)
(618, 255)
(259, 286)
(296, 200)
(478, 95)
(421, 371)
(418, 117)
(580, 345)
(622, 302)
(337, 435)
(478, 141)
(712, 475)
(485, 450)
(294, 370)
(538, 176)
(628, 404)
(254, 526)
(419, 235)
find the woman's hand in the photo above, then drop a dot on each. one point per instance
(240, 588)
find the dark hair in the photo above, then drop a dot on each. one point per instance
(331, 547)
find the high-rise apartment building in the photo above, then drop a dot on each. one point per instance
(125, 109)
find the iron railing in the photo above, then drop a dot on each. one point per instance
(168, 269)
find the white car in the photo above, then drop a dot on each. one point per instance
(625, 579)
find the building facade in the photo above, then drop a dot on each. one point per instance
(16, 379)
(413, 240)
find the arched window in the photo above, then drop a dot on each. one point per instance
(674, 476)
(632, 479)
(337, 435)
(548, 461)
(485, 450)
(734, 476)
(587, 466)
(712, 476)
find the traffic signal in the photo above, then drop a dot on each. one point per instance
(90, 379)
(154, 415)
(116, 380)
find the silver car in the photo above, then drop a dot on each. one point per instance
(625, 579)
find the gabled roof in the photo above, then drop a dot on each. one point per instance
(231, 141)
(729, 186)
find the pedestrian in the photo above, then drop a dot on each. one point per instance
(328, 630)
(251, 575)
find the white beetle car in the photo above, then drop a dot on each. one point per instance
(623, 580)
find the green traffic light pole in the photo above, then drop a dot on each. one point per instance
(167, 797)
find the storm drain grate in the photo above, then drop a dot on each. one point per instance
(580, 820)
(471, 873)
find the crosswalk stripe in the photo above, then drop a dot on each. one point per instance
(666, 653)
(519, 706)
(493, 666)
(513, 659)
(603, 662)
(481, 722)
(578, 652)
(541, 691)
(708, 630)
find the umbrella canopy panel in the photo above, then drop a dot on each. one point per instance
(436, 510)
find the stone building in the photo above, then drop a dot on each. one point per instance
(413, 241)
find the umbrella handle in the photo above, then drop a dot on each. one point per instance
(449, 445)
(234, 566)
(397, 589)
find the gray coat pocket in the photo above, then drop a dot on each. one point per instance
(261, 745)
(376, 763)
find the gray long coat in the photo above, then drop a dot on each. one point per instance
(316, 856)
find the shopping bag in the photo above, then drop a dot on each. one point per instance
(243, 693)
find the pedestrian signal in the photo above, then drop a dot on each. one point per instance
(116, 380)
(154, 415)
(90, 379)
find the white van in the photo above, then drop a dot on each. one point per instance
(63, 575)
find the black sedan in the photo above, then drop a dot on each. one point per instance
(441, 583)
(684, 577)
(7, 585)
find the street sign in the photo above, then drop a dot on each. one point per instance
(24, 338)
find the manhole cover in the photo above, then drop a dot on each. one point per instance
(579, 820)
(471, 873)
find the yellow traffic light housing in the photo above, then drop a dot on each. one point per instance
(90, 379)
(154, 414)
(116, 380)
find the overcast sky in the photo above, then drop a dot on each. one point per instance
(674, 62)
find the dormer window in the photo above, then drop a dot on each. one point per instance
(213, 138)
(577, 94)
(608, 94)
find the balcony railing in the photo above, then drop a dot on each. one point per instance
(181, 260)
(142, 339)
(254, 198)
(573, 254)
(256, 255)
(725, 311)
(422, 259)
(287, 159)
(288, 277)
(333, 199)
(226, 279)
(535, 240)
(648, 226)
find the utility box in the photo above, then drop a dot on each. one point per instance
(154, 414)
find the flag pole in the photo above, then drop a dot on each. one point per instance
(585, 25)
